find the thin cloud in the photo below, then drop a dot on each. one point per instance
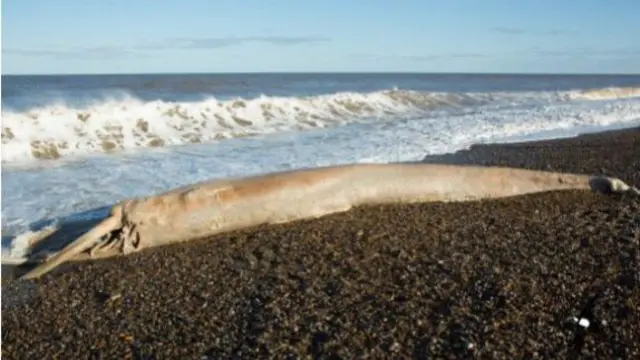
(141, 50)
(33, 52)
(588, 52)
(219, 42)
(559, 32)
(505, 30)
(508, 30)
(425, 58)
(283, 40)
(444, 56)
(630, 52)
(96, 53)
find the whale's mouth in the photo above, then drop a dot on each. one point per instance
(75, 245)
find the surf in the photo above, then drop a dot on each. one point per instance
(107, 126)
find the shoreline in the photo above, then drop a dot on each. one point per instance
(11, 270)
(226, 273)
(480, 153)
(558, 134)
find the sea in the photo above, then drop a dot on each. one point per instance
(72, 145)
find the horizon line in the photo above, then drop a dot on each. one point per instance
(330, 73)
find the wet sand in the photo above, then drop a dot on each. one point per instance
(500, 279)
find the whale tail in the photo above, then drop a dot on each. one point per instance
(609, 185)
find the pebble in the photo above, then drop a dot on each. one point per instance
(400, 303)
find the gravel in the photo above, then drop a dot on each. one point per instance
(552, 275)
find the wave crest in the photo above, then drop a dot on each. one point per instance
(58, 130)
(608, 93)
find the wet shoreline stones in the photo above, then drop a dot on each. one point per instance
(502, 279)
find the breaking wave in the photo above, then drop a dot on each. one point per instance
(109, 126)
(607, 93)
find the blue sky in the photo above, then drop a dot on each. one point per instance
(117, 36)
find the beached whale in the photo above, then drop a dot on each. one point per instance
(204, 209)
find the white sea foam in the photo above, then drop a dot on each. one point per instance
(109, 126)
(34, 193)
(606, 93)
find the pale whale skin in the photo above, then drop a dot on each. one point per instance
(217, 206)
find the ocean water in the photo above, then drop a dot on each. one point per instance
(73, 145)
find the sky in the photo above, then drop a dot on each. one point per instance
(169, 36)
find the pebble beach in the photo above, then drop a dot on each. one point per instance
(551, 275)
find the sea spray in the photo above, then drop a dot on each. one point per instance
(109, 126)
